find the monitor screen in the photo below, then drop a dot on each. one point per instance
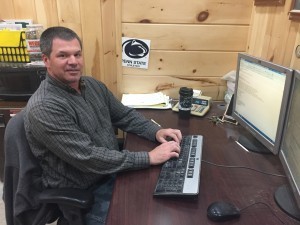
(261, 96)
(290, 153)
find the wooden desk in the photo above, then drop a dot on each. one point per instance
(133, 203)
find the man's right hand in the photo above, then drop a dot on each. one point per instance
(164, 152)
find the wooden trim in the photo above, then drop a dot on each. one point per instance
(118, 29)
(268, 2)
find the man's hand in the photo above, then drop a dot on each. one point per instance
(164, 152)
(172, 134)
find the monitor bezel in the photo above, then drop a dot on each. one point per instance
(273, 148)
(282, 155)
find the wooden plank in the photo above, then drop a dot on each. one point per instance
(272, 35)
(69, 15)
(187, 63)
(291, 45)
(91, 24)
(178, 11)
(210, 86)
(24, 9)
(295, 62)
(9, 12)
(69, 11)
(280, 38)
(47, 13)
(257, 34)
(290, 39)
(118, 27)
(190, 37)
(109, 45)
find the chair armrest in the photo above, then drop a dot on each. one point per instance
(67, 196)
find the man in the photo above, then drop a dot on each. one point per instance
(70, 122)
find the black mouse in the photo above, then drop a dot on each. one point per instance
(222, 211)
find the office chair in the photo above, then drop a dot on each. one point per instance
(26, 201)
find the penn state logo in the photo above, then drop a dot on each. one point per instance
(135, 48)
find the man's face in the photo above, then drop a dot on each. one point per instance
(65, 62)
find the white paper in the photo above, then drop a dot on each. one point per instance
(153, 100)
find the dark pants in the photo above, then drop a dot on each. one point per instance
(102, 197)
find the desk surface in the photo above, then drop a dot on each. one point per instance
(134, 204)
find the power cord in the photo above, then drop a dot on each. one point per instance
(243, 167)
(263, 203)
(256, 170)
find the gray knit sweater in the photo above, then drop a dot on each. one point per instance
(73, 136)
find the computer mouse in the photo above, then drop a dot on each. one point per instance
(222, 211)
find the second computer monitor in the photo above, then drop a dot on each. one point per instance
(261, 97)
(288, 196)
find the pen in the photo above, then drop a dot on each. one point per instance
(155, 122)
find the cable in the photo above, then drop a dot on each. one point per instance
(243, 167)
(269, 207)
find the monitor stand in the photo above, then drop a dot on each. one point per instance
(285, 200)
(249, 142)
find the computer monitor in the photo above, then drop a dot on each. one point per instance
(288, 196)
(260, 102)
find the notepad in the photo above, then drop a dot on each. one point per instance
(156, 100)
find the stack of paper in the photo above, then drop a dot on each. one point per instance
(156, 100)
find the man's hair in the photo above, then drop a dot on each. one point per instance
(51, 33)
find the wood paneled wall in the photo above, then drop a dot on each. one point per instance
(273, 36)
(93, 20)
(193, 43)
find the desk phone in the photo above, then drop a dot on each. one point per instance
(200, 105)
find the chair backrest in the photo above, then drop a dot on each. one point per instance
(22, 177)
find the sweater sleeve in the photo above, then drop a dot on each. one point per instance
(128, 119)
(55, 130)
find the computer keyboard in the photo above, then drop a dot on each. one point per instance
(181, 176)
